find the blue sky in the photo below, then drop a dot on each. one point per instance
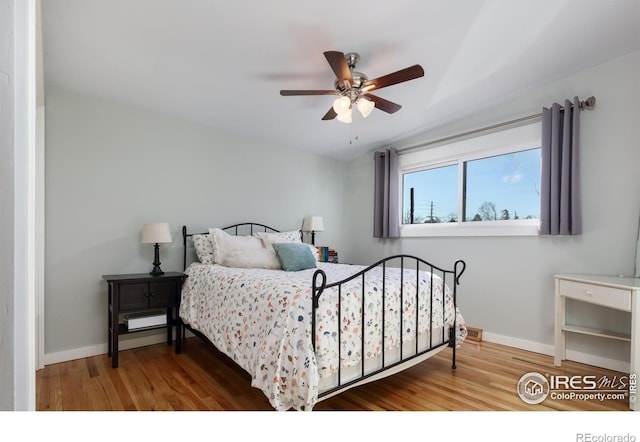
(510, 181)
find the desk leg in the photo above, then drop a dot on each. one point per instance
(560, 352)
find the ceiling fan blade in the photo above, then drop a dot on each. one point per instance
(308, 92)
(406, 74)
(330, 115)
(340, 67)
(384, 105)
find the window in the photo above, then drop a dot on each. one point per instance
(488, 185)
(430, 195)
(503, 187)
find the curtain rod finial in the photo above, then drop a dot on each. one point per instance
(589, 103)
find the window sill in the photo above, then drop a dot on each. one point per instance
(488, 228)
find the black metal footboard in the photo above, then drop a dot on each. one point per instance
(425, 272)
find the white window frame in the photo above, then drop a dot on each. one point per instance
(498, 143)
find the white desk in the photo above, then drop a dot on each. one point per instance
(608, 291)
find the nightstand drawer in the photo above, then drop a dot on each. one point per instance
(133, 296)
(144, 295)
(607, 296)
(163, 294)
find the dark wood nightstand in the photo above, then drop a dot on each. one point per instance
(139, 294)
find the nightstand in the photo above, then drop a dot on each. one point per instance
(138, 295)
(612, 292)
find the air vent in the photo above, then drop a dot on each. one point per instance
(474, 334)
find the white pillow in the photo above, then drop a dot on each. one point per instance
(242, 251)
(271, 237)
(314, 252)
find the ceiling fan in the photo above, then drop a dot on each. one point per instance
(353, 88)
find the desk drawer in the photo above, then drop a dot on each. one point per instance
(619, 299)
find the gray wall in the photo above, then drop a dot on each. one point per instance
(110, 169)
(7, 163)
(508, 288)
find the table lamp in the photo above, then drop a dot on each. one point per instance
(313, 224)
(156, 233)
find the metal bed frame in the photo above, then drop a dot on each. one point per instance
(319, 286)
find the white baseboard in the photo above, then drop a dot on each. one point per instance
(125, 344)
(522, 344)
(547, 349)
(536, 347)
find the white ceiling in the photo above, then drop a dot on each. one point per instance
(223, 63)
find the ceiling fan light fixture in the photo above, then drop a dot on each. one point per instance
(351, 86)
(342, 105)
(365, 106)
(345, 117)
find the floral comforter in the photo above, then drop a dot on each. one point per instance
(262, 320)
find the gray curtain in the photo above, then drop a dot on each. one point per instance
(386, 221)
(560, 207)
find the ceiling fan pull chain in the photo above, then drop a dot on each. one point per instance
(351, 138)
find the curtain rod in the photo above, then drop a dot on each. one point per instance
(588, 104)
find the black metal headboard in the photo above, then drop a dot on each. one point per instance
(236, 229)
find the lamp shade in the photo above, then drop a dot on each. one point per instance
(313, 224)
(345, 117)
(156, 233)
(365, 106)
(341, 105)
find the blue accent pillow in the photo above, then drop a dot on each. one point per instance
(294, 256)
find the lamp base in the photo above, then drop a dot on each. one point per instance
(156, 262)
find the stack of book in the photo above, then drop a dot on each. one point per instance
(327, 254)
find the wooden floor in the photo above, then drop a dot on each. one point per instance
(155, 378)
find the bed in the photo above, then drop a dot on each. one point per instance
(306, 330)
